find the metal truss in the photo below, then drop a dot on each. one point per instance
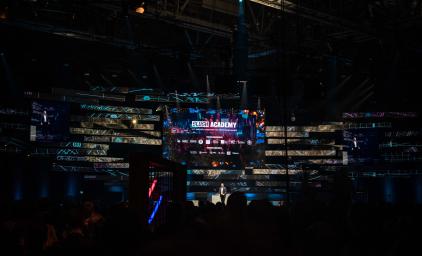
(10, 144)
(205, 20)
(348, 28)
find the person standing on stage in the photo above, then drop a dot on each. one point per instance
(223, 192)
(355, 144)
(45, 123)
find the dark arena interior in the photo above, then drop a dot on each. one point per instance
(210, 127)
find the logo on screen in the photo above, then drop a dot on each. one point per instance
(206, 124)
(200, 124)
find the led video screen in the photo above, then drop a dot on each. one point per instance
(362, 145)
(214, 138)
(49, 121)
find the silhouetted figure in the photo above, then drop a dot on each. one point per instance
(355, 146)
(237, 202)
(223, 192)
(93, 220)
(74, 242)
(92, 217)
(45, 123)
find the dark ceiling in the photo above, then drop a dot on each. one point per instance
(347, 54)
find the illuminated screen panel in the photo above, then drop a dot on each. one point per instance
(105, 117)
(289, 134)
(97, 159)
(356, 115)
(331, 127)
(382, 138)
(362, 145)
(110, 132)
(374, 146)
(214, 138)
(214, 172)
(117, 124)
(69, 151)
(304, 153)
(49, 121)
(112, 165)
(77, 144)
(136, 140)
(117, 109)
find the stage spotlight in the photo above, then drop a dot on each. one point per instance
(134, 121)
(141, 8)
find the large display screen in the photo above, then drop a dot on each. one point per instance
(49, 121)
(214, 138)
(362, 145)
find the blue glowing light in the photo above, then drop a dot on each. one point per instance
(193, 110)
(314, 142)
(151, 218)
(260, 135)
(275, 196)
(146, 97)
(389, 190)
(190, 196)
(44, 189)
(18, 194)
(250, 196)
(71, 186)
(115, 189)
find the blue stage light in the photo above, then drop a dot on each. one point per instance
(71, 186)
(18, 193)
(116, 189)
(151, 218)
(275, 197)
(190, 196)
(44, 189)
(250, 196)
(389, 190)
